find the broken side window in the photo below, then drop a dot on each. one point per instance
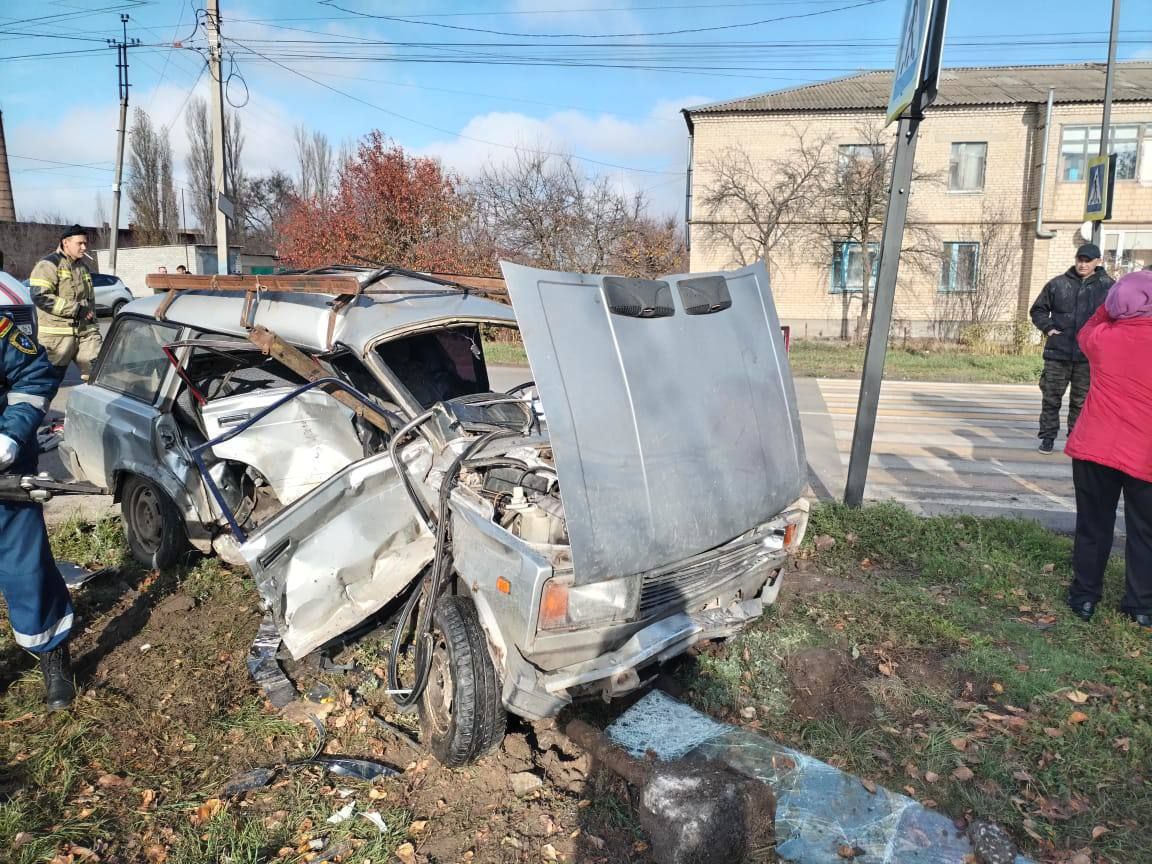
(438, 366)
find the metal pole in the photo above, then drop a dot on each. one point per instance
(883, 302)
(1106, 120)
(122, 74)
(217, 135)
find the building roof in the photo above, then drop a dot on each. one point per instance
(988, 85)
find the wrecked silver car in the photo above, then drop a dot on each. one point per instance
(336, 432)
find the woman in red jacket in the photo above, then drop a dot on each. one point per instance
(1111, 449)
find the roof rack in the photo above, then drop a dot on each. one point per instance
(344, 285)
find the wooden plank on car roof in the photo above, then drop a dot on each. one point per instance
(306, 283)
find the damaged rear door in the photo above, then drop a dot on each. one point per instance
(670, 408)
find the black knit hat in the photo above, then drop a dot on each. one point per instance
(73, 231)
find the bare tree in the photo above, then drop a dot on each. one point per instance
(976, 277)
(849, 203)
(268, 201)
(316, 164)
(151, 191)
(752, 207)
(199, 165)
(545, 211)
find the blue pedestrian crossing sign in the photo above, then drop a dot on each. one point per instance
(1098, 192)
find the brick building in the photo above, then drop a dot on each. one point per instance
(981, 147)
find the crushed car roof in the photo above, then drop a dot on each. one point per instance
(303, 319)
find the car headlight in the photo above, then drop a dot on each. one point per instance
(565, 606)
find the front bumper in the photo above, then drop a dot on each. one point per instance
(655, 643)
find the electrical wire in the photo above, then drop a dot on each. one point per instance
(441, 129)
(714, 28)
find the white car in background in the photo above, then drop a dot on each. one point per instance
(111, 293)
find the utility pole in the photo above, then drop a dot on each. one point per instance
(1106, 120)
(222, 202)
(122, 70)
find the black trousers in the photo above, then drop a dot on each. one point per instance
(1098, 489)
(1054, 380)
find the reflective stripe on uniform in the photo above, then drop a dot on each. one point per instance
(39, 283)
(58, 306)
(40, 402)
(56, 331)
(44, 636)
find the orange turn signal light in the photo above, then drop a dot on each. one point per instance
(790, 534)
(554, 604)
(503, 585)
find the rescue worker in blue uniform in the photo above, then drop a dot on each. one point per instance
(39, 608)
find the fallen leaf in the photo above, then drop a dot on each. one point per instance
(406, 852)
(1080, 858)
(206, 811)
(549, 852)
(993, 717)
(869, 785)
(1048, 568)
(1022, 776)
(639, 847)
(1077, 717)
(997, 687)
(147, 799)
(1030, 830)
(963, 774)
(1077, 696)
(108, 781)
(1122, 744)
(1053, 733)
(931, 776)
(1098, 832)
(417, 826)
(887, 669)
(960, 743)
(824, 542)
(156, 854)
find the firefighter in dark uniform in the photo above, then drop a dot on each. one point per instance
(39, 608)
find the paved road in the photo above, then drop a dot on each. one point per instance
(942, 448)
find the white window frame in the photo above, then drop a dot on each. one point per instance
(955, 157)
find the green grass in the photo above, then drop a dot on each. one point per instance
(819, 359)
(978, 603)
(505, 353)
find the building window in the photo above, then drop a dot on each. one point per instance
(1125, 251)
(1078, 144)
(966, 168)
(961, 267)
(848, 267)
(852, 155)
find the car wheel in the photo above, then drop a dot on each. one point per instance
(461, 715)
(117, 306)
(152, 524)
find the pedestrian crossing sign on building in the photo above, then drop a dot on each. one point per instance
(1098, 194)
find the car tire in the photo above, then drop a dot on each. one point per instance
(152, 524)
(117, 306)
(461, 714)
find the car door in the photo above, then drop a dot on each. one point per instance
(341, 552)
(110, 423)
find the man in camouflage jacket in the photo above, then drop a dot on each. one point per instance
(61, 288)
(1063, 307)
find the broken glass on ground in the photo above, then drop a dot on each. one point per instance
(820, 810)
(265, 668)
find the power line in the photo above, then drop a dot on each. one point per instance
(440, 129)
(797, 16)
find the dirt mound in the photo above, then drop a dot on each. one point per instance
(825, 682)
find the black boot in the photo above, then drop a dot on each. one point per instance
(59, 687)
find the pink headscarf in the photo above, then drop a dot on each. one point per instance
(1131, 296)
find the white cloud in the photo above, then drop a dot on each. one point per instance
(655, 142)
(87, 136)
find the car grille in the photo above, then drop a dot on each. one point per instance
(693, 580)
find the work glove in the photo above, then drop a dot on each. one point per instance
(9, 450)
(83, 314)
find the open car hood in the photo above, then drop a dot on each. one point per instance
(670, 409)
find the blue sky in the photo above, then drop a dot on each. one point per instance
(470, 81)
